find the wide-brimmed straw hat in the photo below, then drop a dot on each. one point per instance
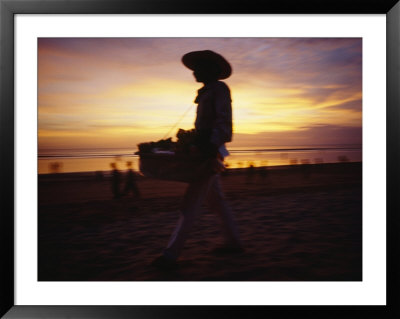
(192, 59)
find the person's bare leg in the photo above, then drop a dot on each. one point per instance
(195, 195)
(217, 203)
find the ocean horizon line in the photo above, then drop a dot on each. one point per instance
(228, 169)
(122, 152)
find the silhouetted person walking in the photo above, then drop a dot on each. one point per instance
(263, 172)
(115, 181)
(130, 182)
(213, 127)
(250, 173)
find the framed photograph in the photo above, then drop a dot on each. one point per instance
(120, 119)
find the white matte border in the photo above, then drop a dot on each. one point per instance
(371, 291)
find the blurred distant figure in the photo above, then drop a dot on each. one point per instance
(343, 159)
(55, 167)
(115, 181)
(250, 172)
(262, 171)
(130, 182)
(306, 168)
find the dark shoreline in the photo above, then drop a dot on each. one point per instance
(92, 174)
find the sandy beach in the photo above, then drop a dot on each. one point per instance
(297, 223)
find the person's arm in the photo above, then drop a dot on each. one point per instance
(222, 130)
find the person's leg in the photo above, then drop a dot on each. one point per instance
(126, 189)
(217, 203)
(195, 195)
(136, 191)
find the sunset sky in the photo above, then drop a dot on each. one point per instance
(96, 92)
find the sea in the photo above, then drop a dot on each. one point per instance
(100, 159)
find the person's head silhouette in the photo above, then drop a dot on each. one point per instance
(207, 65)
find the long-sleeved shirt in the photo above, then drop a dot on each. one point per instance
(214, 114)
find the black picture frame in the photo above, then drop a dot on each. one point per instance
(8, 8)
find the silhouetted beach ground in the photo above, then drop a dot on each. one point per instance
(297, 223)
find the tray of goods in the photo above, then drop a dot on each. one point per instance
(171, 160)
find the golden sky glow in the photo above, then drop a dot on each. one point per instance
(121, 92)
